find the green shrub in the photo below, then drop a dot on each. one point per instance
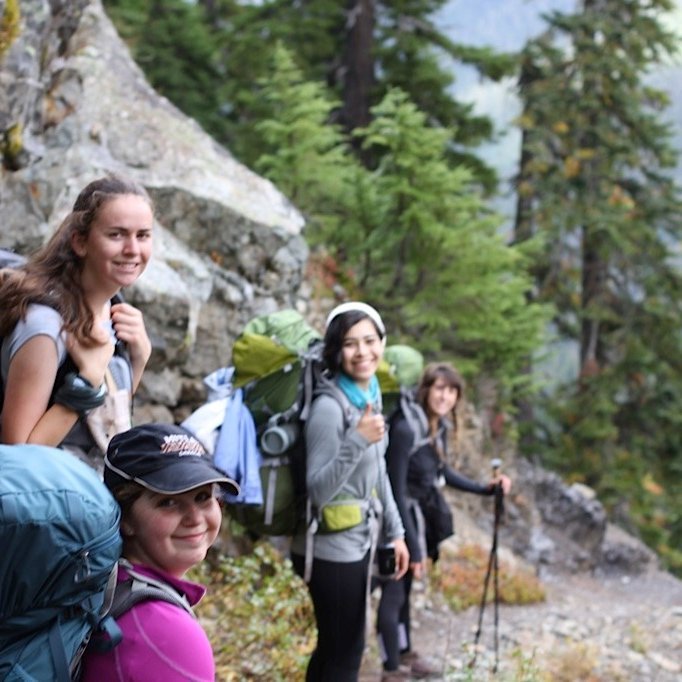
(257, 615)
(9, 25)
(461, 576)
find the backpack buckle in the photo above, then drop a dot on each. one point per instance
(84, 571)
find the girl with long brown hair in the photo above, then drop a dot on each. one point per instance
(60, 322)
(417, 467)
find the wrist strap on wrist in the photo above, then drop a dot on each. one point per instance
(79, 395)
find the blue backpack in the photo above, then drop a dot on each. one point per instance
(59, 534)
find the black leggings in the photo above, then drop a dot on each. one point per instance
(393, 615)
(338, 591)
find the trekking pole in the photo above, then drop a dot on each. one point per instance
(492, 567)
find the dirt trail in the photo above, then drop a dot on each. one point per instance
(598, 629)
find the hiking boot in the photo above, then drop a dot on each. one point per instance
(402, 673)
(419, 667)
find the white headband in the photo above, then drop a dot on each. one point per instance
(360, 307)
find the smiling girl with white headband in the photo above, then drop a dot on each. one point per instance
(349, 488)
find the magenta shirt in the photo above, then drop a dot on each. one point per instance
(161, 642)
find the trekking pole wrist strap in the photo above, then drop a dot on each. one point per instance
(79, 395)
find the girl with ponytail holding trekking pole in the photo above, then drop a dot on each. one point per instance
(349, 491)
(416, 462)
(61, 323)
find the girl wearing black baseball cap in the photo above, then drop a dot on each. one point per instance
(166, 486)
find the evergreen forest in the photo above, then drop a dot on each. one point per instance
(348, 107)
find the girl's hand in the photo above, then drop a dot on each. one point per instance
(418, 569)
(129, 327)
(91, 359)
(505, 481)
(371, 426)
(402, 558)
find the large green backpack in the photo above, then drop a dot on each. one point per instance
(268, 358)
(398, 374)
(277, 362)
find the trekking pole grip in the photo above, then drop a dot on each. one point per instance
(496, 465)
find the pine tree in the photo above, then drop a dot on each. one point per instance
(435, 257)
(596, 181)
(247, 35)
(306, 157)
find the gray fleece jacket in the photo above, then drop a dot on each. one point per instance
(341, 461)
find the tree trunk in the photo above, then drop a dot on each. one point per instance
(523, 230)
(593, 283)
(358, 64)
(594, 267)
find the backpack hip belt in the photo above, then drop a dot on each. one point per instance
(343, 513)
(370, 510)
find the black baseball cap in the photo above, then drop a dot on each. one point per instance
(163, 458)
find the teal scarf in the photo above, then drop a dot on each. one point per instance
(357, 396)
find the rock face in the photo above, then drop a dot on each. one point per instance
(554, 527)
(228, 245)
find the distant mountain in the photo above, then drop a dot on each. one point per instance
(506, 25)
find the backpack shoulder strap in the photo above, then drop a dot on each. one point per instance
(312, 515)
(311, 361)
(416, 420)
(120, 348)
(139, 587)
(349, 415)
(126, 594)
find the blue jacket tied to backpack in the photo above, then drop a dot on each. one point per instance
(59, 533)
(236, 452)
